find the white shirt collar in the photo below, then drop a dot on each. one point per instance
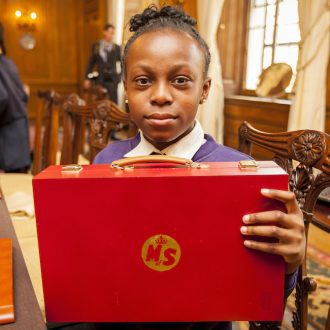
(104, 49)
(185, 147)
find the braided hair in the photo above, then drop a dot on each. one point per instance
(167, 17)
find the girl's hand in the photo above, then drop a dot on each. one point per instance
(288, 229)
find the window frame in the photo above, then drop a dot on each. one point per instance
(252, 92)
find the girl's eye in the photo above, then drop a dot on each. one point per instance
(180, 81)
(143, 81)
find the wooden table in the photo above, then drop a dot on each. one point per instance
(27, 312)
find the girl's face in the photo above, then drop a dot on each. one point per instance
(165, 84)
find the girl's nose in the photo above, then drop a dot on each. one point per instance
(161, 95)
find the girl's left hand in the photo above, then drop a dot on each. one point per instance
(287, 228)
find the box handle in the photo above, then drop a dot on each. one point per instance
(128, 162)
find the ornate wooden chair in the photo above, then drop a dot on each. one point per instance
(46, 130)
(311, 150)
(95, 93)
(100, 117)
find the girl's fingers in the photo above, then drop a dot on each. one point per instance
(267, 217)
(288, 229)
(291, 254)
(286, 197)
(267, 231)
(273, 248)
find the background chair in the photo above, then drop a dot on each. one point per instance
(95, 93)
(46, 130)
(311, 150)
(99, 117)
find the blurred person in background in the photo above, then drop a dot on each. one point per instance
(14, 127)
(104, 64)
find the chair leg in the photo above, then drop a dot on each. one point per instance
(37, 140)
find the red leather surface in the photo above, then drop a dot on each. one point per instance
(92, 227)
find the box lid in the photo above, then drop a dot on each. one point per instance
(160, 170)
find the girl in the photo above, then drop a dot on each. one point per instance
(165, 64)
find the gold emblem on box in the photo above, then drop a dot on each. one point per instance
(161, 252)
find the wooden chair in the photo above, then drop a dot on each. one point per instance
(46, 130)
(95, 93)
(311, 149)
(100, 117)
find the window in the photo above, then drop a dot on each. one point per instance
(273, 37)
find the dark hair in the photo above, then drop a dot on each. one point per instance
(2, 40)
(108, 26)
(170, 17)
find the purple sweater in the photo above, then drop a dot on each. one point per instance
(210, 151)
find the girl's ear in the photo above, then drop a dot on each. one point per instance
(125, 88)
(206, 89)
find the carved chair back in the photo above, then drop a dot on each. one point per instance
(46, 130)
(311, 150)
(99, 117)
(95, 93)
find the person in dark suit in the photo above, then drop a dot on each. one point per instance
(14, 128)
(104, 64)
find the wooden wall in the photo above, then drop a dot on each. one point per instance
(190, 6)
(91, 23)
(263, 114)
(54, 61)
(231, 42)
(65, 30)
(327, 118)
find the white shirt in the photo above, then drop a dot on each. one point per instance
(185, 147)
(105, 48)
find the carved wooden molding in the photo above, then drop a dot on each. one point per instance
(101, 117)
(98, 92)
(50, 97)
(309, 147)
(71, 102)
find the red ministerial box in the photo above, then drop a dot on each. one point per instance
(156, 244)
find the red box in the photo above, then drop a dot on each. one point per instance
(156, 244)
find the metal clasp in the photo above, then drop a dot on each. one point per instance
(118, 167)
(248, 165)
(73, 168)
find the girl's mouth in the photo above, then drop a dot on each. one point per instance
(161, 119)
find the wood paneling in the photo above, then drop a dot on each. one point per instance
(327, 117)
(65, 30)
(264, 115)
(92, 20)
(231, 41)
(53, 63)
(189, 6)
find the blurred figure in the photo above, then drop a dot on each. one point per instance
(14, 128)
(106, 60)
